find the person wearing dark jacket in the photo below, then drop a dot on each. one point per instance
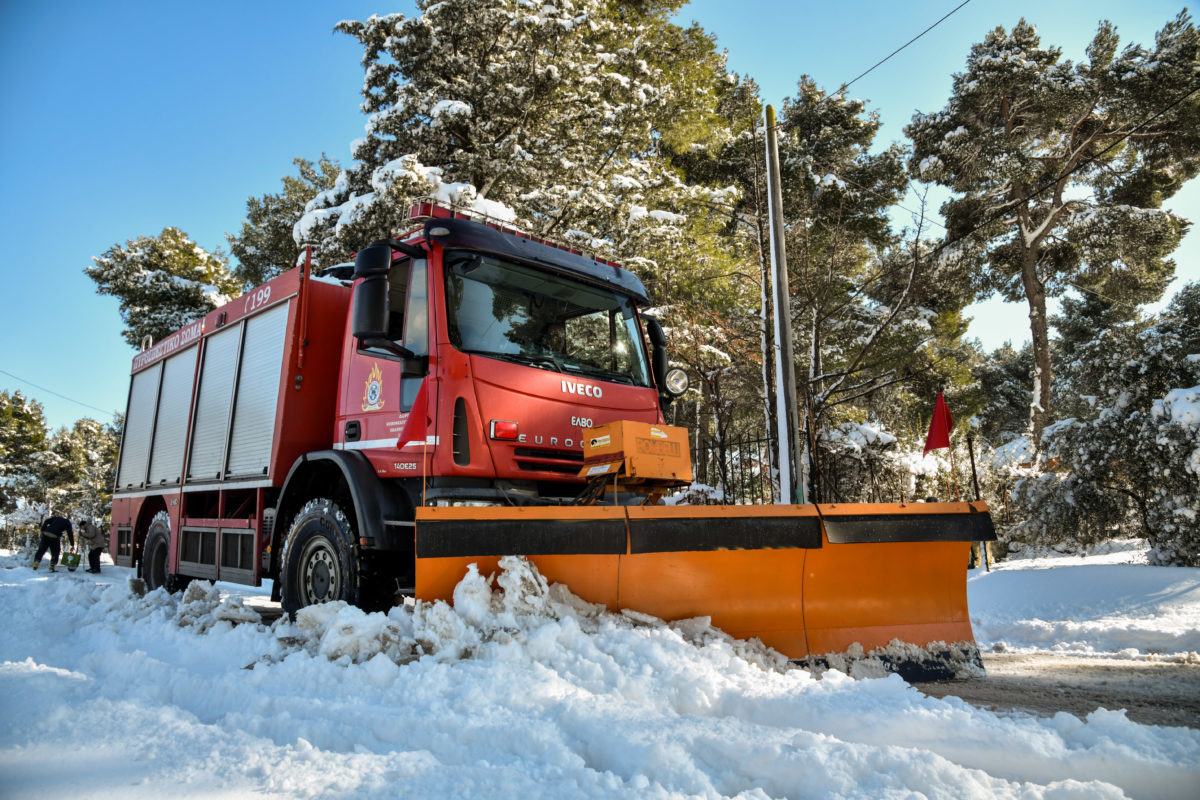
(52, 531)
(95, 539)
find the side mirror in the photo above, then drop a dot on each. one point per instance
(657, 337)
(373, 260)
(370, 311)
(369, 315)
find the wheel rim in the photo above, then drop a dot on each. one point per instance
(320, 578)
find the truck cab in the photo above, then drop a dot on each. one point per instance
(475, 360)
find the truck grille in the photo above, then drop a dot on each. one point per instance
(561, 462)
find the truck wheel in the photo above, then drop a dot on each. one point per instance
(154, 552)
(320, 560)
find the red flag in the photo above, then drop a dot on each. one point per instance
(939, 426)
(416, 427)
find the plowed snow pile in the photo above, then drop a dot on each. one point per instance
(521, 690)
(1108, 603)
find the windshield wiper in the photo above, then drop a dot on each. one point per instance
(541, 362)
(599, 372)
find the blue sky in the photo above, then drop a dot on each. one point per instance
(121, 118)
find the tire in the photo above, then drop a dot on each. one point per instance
(321, 562)
(153, 567)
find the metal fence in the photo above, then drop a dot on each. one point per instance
(740, 469)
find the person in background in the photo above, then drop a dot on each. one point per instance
(52, 531)
(95, 539)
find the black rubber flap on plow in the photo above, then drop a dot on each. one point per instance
(876, 528)
(698, 533)
(519, 537)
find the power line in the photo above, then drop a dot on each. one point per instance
(878, 64)
(1038, 190)
(1041, 188)
(56, 394)
(888, 57)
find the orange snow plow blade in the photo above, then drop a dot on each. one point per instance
(808, 580)
(892, 571)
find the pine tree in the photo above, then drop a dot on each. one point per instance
(1003, 380)
(556, 111)
(1060, 169)
(265, 247)
(1129, 463)
(78, 468)
(163, 282)
(564, 118)
(744, 403)
(22, 437)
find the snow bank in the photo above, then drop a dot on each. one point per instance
(1073, 605)
(520, 690)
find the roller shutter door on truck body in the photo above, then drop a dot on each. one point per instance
(139, 425)
(258, 393)
(170, 429)
(212, 404)
(258, 343)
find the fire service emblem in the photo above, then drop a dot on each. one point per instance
(373, 394)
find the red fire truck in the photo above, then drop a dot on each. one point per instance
(291, 434)
(376, 428)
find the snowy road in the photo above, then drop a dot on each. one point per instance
(1151, 692)
(529, 694)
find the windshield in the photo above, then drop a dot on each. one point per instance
(510, 311)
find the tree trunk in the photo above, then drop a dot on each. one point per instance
(1035, 293)
(704, 431)
(811, 401)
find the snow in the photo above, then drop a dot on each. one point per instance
(450, 108)
(525, 691)
(929, 164)
(1111, 603)
(413, 180)
(1181, 406)
(833, 181)
(1012, 454)
(638, 213)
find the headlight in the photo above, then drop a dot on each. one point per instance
(675, 381)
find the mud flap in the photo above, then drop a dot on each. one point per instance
(809, 581)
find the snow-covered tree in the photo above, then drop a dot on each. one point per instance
(22, 437)
(70, 471)
(163, 282)
(1060, 169)
(1003, 383)
(1130, 462)
(563, 118)
(552, 112)
(78, 468)
(730, 348)
(265, 247)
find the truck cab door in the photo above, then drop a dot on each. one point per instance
(383, 372)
